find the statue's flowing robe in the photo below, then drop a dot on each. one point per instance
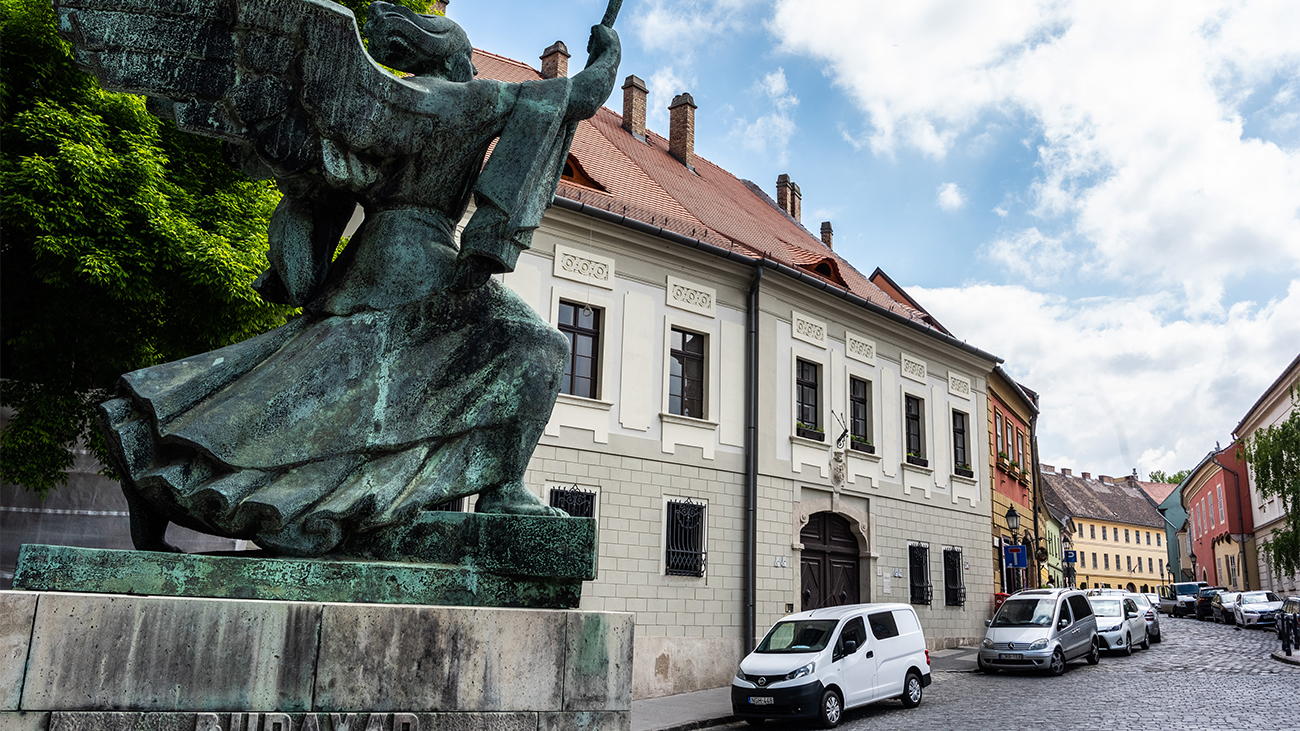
(390, 393)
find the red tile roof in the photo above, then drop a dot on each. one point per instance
(642, 181)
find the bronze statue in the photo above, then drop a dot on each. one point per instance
(411, 377)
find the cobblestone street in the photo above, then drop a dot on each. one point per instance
(1202, 676)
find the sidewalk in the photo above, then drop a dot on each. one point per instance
(705, 708)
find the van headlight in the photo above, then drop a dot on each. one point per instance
(1039, 644)
(805, 670)
(987, 643)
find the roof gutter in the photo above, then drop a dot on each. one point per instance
(788, 271)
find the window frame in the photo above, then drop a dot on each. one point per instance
(920, 588)
(801, 428)
(864, 441)
(954, 587)
(676, 565)
(918, 456)
(551, 488)
(961, 444)
(611, 317)
(702, 358)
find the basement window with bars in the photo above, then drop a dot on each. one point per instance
(918, 562)
(685, 538)
(575, 501)
(954, 584)
(450, 506)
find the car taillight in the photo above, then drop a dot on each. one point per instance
(1151, 616)
(927, 657)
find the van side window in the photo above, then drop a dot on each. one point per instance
(1065, 613)
(853, 630)
(883, 625)
(1080, 607)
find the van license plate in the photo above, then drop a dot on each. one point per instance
(1010, 656)
(761, 700)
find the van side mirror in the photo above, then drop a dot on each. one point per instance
(1065, 622)
(988, 622)
(1130, 615)
(850, 647)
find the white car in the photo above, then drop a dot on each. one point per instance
(1150, 612)
(1256, 608)
(1120, 625)
(819, 663)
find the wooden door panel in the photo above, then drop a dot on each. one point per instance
(813, 574)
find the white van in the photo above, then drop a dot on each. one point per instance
(816, 664)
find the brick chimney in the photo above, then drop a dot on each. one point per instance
(1086, 475)
(634, 96)
(555, 60)
(828, 236)
(681, 129)
(1106, 479)
(788, 196)
(1067, 471)
(1046, 468)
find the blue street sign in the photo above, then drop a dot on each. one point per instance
(1071, 556)
(1015, 557)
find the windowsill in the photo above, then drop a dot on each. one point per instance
(690, 421)
(806, 442)
(918, 469)
(586, 403)
(964, 479)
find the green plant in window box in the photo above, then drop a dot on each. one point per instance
(862, 444)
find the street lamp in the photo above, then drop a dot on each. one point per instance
(1192, 555)
(1013, 523)
(1067, 545)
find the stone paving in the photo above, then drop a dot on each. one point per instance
(1203, 676)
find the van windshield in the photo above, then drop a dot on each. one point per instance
(805, 635)
(1025, 613)
(1185, 589)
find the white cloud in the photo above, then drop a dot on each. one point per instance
(771, 131)
(1001, 211)
(663, 85)
(679, 27)
(1031, 256)
(1136, 112)
(950, 197)
(1121, 375)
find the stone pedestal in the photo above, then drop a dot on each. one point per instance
(105, 662)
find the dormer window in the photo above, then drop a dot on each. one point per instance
(826, 269)
(574, 173)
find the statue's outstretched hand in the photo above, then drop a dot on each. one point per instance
(603, 38)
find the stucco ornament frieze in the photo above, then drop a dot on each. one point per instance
(585, 267)
(959, 385)
(859, 348)
(691, 297)
(808, 330)
(913, 368)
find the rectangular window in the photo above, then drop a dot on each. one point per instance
(1094, 560)
(1161, 562)
(578, 503)
(581, 325)
(686, 374)
(997, 428)
(1081, 530)
(1126, 535)
(1151, 568)
(1129, 560)
(1157, 539)
(1020, 450)
(1223, 511)
(685, 538)
(1011, 446)
(1117, 562)
(1148, 538)
(1107, 557)
(954, 584)
(1092, 528)
(918, 562)
(860, 415)
(1103, 532)
(959, 455)
(915, 427)
(806, 379)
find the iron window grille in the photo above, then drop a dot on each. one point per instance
(685, 554)
(959, 454)
(860, 416)
(575, 501)
(686, 374)
(450, 506)
(807, 412)
(954, 583)
(918, 560)
(581, 325)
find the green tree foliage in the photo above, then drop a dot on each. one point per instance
(1274, 456)
(125, 243)
(1174, 478)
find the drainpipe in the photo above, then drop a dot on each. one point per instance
(1241, 523)
(749, 616)
(1033, 480)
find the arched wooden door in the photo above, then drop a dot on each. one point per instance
(829, 564)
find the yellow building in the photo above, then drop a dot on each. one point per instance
(1115, 529)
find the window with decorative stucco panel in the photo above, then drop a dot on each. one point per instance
(914, 422)
(860, 415)
(686, 374)
(581, 325)
(807, 381)
(960, 455)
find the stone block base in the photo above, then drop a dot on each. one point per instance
(131, 663)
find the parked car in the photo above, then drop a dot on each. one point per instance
(1203, 598)
(1179, 600)
(1291, 608)
(1256, 608)
(1119, 624)
(817, 664)
(1222, 605)
(1150, 614)
(1040, 629)
(1154, 600)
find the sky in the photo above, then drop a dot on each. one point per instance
(1104, 194)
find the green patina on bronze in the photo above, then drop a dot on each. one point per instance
(465, 559)
(412, 377)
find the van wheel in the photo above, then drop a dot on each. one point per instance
(912, 690)
(832, 709)
(1058, 663)
(1094, 657)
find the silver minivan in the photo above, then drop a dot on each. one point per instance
(817, 664)
(1040, 629)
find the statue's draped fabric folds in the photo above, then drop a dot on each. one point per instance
(411, 376)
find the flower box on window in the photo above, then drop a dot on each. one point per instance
(862, 445)
(918, 460)
(808, 431)
(964, 470)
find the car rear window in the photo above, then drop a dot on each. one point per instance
(883, 625)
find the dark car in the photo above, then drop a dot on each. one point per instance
(1222, 606)
(1203, 599)
(1288, 617)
